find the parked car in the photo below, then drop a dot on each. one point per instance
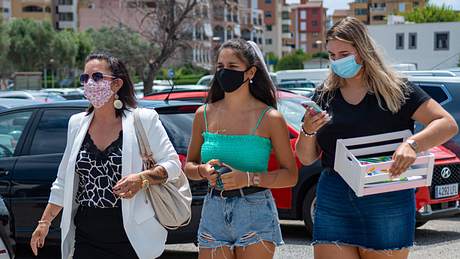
(446, 91)
(298, 203)
(441, 73)
(455, 70)
(301, 87)
(206, 80)
(316, 75)
(67, 93)
(8, 103)
(32, 95)
(39, 138)
(404, 67)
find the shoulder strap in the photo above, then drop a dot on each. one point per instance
(143, 142)
(205, 119)
(260, 118)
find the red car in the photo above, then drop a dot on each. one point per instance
(298, 203)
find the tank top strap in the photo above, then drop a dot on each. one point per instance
(260, 119)
(205, 118)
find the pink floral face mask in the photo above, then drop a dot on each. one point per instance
(97, 93)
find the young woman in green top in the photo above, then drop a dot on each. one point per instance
(238, 128)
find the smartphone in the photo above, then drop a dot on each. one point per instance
(312, 105)
(223, 170)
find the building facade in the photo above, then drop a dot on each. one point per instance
(279, 38)
(376, 11)
(427, 45)
(65, 14)
(5, 10)
(40, 10)
(310, 26)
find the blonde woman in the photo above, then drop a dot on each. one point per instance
(361, 97)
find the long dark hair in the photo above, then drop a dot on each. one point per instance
(262, 87)
(126, 93)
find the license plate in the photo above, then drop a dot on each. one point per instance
(447, 190)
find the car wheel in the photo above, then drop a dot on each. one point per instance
(309, 208)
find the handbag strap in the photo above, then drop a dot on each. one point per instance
(144, 147)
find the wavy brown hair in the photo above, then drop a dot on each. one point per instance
(380, 79)
(262, 87)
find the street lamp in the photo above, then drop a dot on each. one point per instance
(320, 43)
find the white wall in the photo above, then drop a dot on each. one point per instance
(424, 56)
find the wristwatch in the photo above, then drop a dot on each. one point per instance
(413, 144)
(145, 181)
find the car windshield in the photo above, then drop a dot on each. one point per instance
(179, 129)
(288, 85)
(292, 110)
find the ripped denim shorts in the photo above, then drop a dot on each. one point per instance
(239, 221)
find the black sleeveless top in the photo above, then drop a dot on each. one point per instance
(99, 171)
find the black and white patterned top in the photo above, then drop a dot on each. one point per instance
(99, 171)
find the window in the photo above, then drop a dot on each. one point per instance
(402, 7)
(412, 40)
(32, 9)
(51, 134)
(399, 40)
(268, 14)
(269, 27)
(179, 128)
(268, 1)
(360, 1)
(314, 45)
(285, 28)
(285, 15)
(65, 2)
(268, 41)
(361, 11)
(314, 23)
(303, 14)
(315, 34)
(303, 37)
(66, 17)
(303, 26)
(441, 41)
(11, 127)
(437, 92)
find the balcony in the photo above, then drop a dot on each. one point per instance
(65, 8)
(66, 25)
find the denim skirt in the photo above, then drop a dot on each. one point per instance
(378, 222)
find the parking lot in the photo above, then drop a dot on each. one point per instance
(437, 239)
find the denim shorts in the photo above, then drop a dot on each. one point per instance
(239, 221)
(379, 222)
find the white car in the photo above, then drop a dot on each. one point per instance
(32, 95)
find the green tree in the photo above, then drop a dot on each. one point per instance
(292, 60)
(125, 44)
(5, 65)
(85, 45)
(31, 44)
(432, 13)
(65, 49)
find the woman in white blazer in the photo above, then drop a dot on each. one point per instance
(99, 181)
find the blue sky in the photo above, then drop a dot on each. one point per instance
(343, 4)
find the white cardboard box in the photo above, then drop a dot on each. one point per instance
(356, 175)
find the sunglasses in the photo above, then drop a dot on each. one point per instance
(96, 76)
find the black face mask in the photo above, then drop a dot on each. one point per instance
(230, 80)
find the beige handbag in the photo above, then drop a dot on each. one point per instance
(172, 200)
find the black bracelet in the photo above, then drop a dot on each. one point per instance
(306, 133)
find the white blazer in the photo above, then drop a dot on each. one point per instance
(146, 235)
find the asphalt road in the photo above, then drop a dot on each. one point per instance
(438, 239)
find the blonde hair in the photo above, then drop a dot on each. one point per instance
(380, 79)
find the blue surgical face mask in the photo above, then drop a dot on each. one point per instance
(346, 67)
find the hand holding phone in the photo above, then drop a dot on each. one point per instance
(312, 105)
